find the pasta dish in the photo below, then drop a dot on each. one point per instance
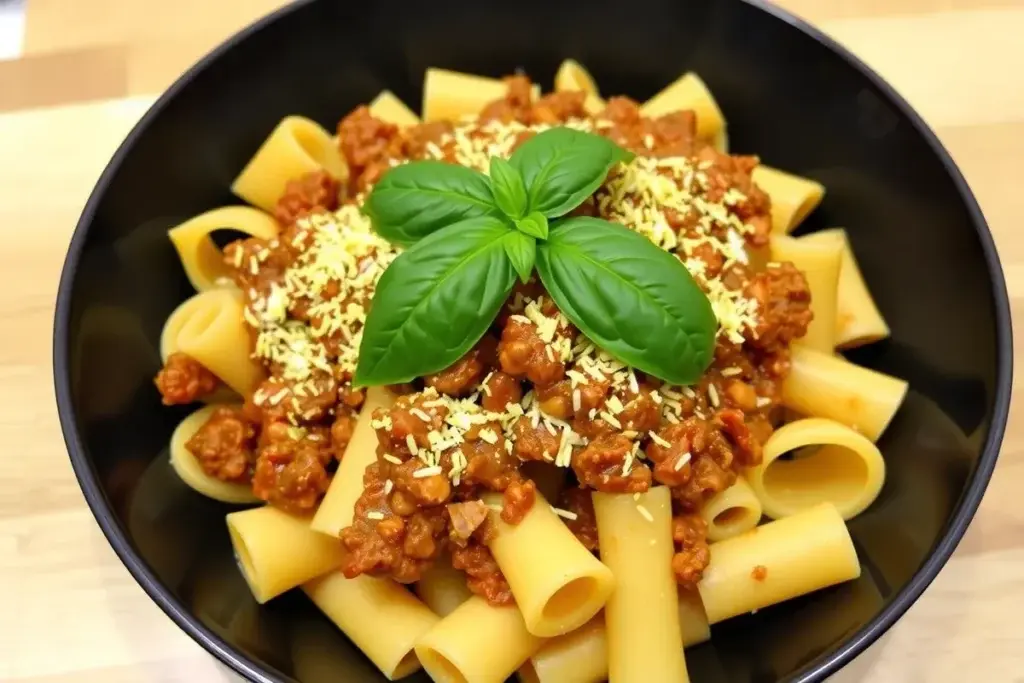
(511, 386)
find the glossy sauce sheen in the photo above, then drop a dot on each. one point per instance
(628, 431)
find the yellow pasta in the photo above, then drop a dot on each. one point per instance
(387, 107)
(690, 92)
(642, 616)
(295, 147)
(277, 551)
(442, 587)
(778, 561)
(819, 262)
(202, 260)
(858, 320)
(188, 468)
(382, 618)
(337, 508)
(581, 656)
(215, 334)
(846, 470)
(571, 76)
(793, 197)
(450, 95)
(556, 582)
(477, 643)
(732, 511)
(822, 385)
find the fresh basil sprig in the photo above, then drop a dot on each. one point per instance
(469, 235)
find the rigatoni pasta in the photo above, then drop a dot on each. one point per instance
(202, 260)
(819, 262)
(793, 197)
(733, 511)
(186, 466)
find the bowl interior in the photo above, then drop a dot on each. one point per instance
(786, 96)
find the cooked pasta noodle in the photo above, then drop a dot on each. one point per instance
(571, 76)
(820, 263)
(382, 618)
(215, 334)
(846, 469)
(777, 561)
(188, 468)
(335, 511)
(461, 648)
(450, 95)
(635, 535)
(202, 260)
(793, 197)
(822, 385)
(689, 92)
(557, 583)
(443, 588)
(858, 320)
(732, 512)
(277, 551)
(295, 147)
(387, 107)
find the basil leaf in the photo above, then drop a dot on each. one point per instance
(561, 167)
(416, 199)
(435, 301)
(534, 225)
(522, 252)
(507, 186)
(631, 298)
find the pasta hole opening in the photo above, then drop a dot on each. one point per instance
(408, 664)
(441, 668)
(829, 473)
(731, 516)
(564, 603)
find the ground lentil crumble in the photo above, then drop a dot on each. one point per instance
(533, 388)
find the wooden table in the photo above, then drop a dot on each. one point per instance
(69, 611)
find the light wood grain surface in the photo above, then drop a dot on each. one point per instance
(69, 611)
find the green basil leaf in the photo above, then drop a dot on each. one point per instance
(631, 298)
(534, 225)
(507, 186)
(416, 199)
(561, 167)
(522, 252)
(435, 301)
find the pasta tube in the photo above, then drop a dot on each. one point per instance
(450, 95)
(477, 643)
(297, 146)
(793, 197)
(858, 320)
(690, 92)
(635, 539)
(581, 656)
(215, 334)
(732, 511)
(847, 470)
(571, 76)
(823, 385)
(819, 262)
(202, 260)
(338, 506)
(188, 468)
(382, 618)
(387, 107)
(277, 551)
(557, 583)
(443, 587)
(778, 561)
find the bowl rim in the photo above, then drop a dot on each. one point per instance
(814, 671)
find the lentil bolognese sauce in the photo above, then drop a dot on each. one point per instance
(533, 388)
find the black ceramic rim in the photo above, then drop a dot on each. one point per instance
(815, 671)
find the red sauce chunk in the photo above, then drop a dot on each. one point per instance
(183, 380)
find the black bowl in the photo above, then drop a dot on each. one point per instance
(789, 93)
